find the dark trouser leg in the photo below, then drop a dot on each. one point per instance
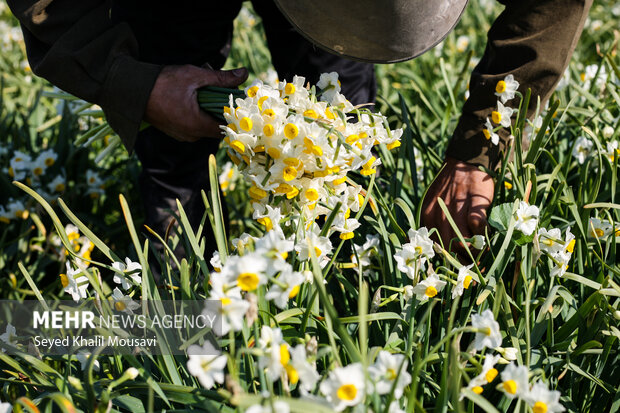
(292, 54)
(173, 170)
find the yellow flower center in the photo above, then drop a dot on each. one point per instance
(548, 241)
(289, 173)
(352, 138)
(487, 133)
(232, 126)
(246, 124)
(269, 113)
(64, 280)
(317, 251)
(346, 235)
(539, 407)
(340, 180)
(430, 291)
(289, 89)
(510, 386)
(310, 113)
(496, 116)
(294, 292)
(266, 221)
(11, 172)
(248, 281)
(238, 146)
(261, 101)
(390, 374)
(38, 171)
(491, 374)
(252, 91)
(500, 87)
(60, 187)
(257, 193)
(49, 161)
(477, 389)
(293, 376)
(599, 232)
(225, 301)
(393, 145)
(291, 131)
(467, 281)
(268, 130)
(285, 357)
(347, 392)
(312, 194)
(418, 250)
(507, 185)
(119, 305)
(274, 152)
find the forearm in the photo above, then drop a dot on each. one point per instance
(531, 39)
(77, 47)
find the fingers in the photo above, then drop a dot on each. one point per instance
(222, 78)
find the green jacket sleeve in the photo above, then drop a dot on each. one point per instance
(78, 47)
(531, 39)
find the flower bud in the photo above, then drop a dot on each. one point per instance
(478, 242)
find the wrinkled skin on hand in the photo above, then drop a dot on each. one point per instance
(467, 193)
(173, 104)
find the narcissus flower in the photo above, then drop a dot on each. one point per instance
(385, 370)
(489, 133)
(543, 400)
(490, 335)
(127, 271)
(582, 149)
(515, 381)
(501, 116)
(463, 281)
(486, 376)
(527, 218)
(429, 287)
(345, 386)
(207, 368)
(505, 89)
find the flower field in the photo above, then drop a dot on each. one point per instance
(331, 294)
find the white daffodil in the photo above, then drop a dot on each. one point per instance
(582, 149)
(543, 400)
(74, 282)
(560, 260)
(478, 242)
(208, 368)
(285, 287)
(421, 241)
(429, 287)
(527, 218)
(83, 358)
(550, 241)
(247, 271)
(14, 210)
(607, 132)
(508, 353)
(345, 386)
(490, 335)
(130, 269)
(300, 370)
(232, 310)
(8, 335)
(409, 261)
(216, 262)
(515, 381)
(330, 86)
(322, 248)
(123, 302)
(489, 132)
(276, 353)
(501, 116)
(385, 370)
(612, 152)
(598, 228)
(57, 185)
(462, 281)
(487, 375)
(505, 89)
(6, 407)
(462, 42)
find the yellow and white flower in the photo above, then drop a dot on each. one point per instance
(490, 335)
(582, 149)
(463, 281)
(285, 287)
(429, 287)
(543, 400)
(123, 302)
(501, 116)
(527, 218)
(515, 381)
(207, 367)
(386, 369)
(489, 133)
(486, 376)
(505, 89)
(127, 273)
(345, 386)
(8, 336)
(74, 282)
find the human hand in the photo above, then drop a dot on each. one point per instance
(173, 104)
(467, 193)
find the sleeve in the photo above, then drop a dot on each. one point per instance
(78, 47)
(531, 39)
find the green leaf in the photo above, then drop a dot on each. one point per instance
(500, 216)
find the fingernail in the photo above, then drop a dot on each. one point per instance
(238, 72)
